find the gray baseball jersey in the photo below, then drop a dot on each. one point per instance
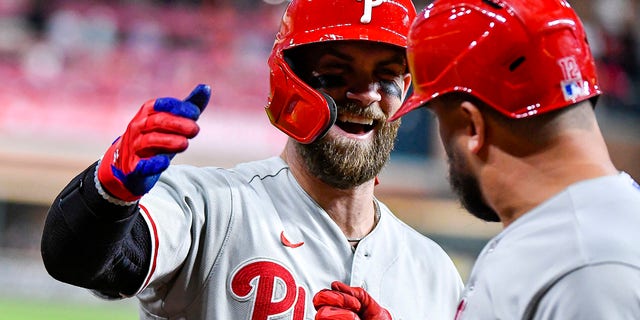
(249, 243)
(575, 256)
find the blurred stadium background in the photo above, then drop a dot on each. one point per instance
(74, 72)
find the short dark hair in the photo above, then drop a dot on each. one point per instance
(537, 128)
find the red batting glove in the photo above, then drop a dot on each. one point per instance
(343, 302)
(162, 127)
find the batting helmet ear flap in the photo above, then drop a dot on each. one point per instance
(295, 108)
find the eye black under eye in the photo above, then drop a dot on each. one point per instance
(391, 88)
(328, 81)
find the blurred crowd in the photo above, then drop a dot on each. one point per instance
(613, 29)
(101, 56)
(108, 54)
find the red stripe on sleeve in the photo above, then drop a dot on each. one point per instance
(154, 236)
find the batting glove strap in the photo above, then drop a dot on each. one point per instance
(105, 195)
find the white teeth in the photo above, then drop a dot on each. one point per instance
(354, 119)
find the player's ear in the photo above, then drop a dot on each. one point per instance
(407, 84)
(476, 126)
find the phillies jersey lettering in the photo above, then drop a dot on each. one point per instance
(249, 243)
(460, 309)
(270, 287)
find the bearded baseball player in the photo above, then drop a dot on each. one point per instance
(259, 240)
(513, 86)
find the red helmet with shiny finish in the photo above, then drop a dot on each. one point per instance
(520, 57)
(295, 108)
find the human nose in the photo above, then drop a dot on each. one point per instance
(366, 96)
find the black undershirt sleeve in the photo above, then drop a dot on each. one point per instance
(92, 243)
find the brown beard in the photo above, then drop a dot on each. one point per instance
(347, 164)
(467, 187)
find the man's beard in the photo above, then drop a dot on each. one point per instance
(347, 163)
(467, 187)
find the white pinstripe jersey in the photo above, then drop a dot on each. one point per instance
(249, 243)
(575, 256)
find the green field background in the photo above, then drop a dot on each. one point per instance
(25, 309)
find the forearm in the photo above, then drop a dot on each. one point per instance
(92, 243)
(105, 245)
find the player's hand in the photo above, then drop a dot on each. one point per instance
(162, 127)
(343, 302)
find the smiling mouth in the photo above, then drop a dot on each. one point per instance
(355, 125)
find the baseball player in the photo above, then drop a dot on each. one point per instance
(513, 85)
(259, 240)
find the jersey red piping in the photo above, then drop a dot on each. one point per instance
(156, 244)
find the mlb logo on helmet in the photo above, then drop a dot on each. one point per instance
(572, 83)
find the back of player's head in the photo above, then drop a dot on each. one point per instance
(300, 111)
(520, 57)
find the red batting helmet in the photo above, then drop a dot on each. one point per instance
(300, 111)
(520, 57)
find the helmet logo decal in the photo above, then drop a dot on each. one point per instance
(572, 83)
(368, 7)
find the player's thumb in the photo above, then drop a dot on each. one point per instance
(359, 293)
(342, 287)
(200, 96)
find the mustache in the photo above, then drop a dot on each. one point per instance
(355, 109)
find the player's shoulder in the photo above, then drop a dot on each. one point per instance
(190, 179)
(605, 290)
(190, 172)
(261, 169)
(244, 171)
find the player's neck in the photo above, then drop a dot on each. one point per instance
(529, 181)
(352, 209)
